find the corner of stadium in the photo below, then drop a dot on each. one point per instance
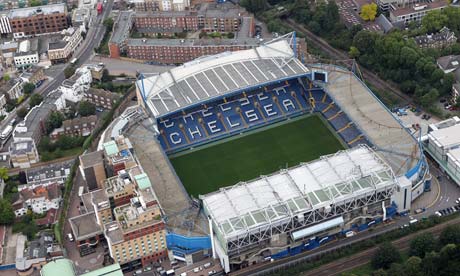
(225, 114)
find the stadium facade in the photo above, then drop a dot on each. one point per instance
(301, 207)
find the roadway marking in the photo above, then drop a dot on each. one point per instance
(437, 195)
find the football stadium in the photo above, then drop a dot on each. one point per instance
(283, 156)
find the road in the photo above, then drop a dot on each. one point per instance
(336, 54)
(83, 54)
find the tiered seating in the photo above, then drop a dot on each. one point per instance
(250, 109)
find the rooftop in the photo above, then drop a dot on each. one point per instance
(34, 119)
(450, 62)
(60, 44)
(193, 42)
(49, 172)
(58, 267)
(91, 159)
(129, 215)
(31, 11)
(110, 148)
(110, 270)
(143, 181)
(6, 86)
(332, 179)
(103, 93)
(214, 76)
(122, 26)
(21, 147)
(448, 137)
(85, 226)
(443, 35)
(419, 7)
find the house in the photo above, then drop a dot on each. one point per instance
(74, 87)
(39, 199)
(12, 88)
(449, 64)
(48, 174)
(83, 126)
(27, 53)
(101, 98)
(441, 39)
(34, 75)
(23, 153)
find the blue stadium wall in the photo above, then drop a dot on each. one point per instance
(182, 245)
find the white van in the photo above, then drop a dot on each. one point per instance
(412, 221)
(349, 234)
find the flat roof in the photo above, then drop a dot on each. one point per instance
(122, 27)
(418, 8)
(446, 137)
(92, 158)
(111, 148)
(332, 179)
(215, 76)
(85, 226)
(143, 181)
(111, 270)
(194, 42)
(455, 155)
(31, 11)
(58, 267)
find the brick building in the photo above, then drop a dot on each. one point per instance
(38, 20)
(101, 98)
(62, 50)
(83, 126)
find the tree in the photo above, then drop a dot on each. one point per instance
(230, 35)
(22, 112)
(431, 264)
(433, 21)
(108, 23)
(422, 244)
(368, 12)
(6, 212)
(254, 6)
(354, 52)
(450, 234)
(54, 121)
(86, 108)
(6, 77)
(35, 3)
(4, 173)
(105, 76)
(427, 99)
(412, 267)
(69, 71)
(28, 88)
(385, 255)
(35, 99)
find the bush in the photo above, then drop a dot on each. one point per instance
(86, 109)
(385, 255)
(35, 99)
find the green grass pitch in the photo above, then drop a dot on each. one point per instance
(259, 153)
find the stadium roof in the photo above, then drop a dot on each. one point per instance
(336, 178)
(214, 76)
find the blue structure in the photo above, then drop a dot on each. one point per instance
(181, 245)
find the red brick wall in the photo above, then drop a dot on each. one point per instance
(114, 50)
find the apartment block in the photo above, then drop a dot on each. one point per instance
(33, 74)
(27, 53)
(441, 39)
(181, 50)
(92, 169)
(415, 13)
(61, 51)
(101, 98)
(74, 87)
(38, 20)
(76, 127)
(23, 153)
(161, 5)
(11, 88)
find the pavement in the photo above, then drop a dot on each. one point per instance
(412, 118)
(129, 68)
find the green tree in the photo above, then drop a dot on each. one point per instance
(422, 244)
(354, 52)
(86, 109)
(427, 99)
(412, 267)
(6, 212)
(108, 23)
(22, 112)
(35, 99)
(45, 145)
(368, 12)
(431, 264)
(254, 6)
(385, 255)
(4, 173)
(230, 35)
(54, 121)
(450, 234)
(6, 77)
(69, 71)
(433, 21)
(34, 3)
(380, 272)
(105, 76)
(28, 88)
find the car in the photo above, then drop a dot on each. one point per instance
(443, 212)
(448, 210)
(349, 234)
(70, 237)
(457, 208)
(137, 272)
(448, 106)
(148, 268)
(412, 221)
(457, 201)
(198, 269)
(212, 272)
(453, 209)
(419, 210)
(438, 214)
(183, 274)
(207, 265)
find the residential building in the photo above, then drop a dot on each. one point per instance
(39, 199)
(48, 174)
(386, 5)
(11, 88)
(62, 50)
(448, 64)
(92, 169)
(101, 98)
(33, 125)
(441, 39)
(161, 5)
(23, 153)
(81, 17)
(121, 30)
(74, 87)
(183, 50)
(96, 71)
(6, 5)
(415, 13)
(76, 127)
(33, 74)
(27, 53)
(118, 155)
(32, 255)
(32, 21)
(3, 105)
(56, 98)
(455, 92)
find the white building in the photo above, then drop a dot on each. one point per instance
(62, 50)
(27, 54)
(443, 143)
(39, 199)
(74, 87)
